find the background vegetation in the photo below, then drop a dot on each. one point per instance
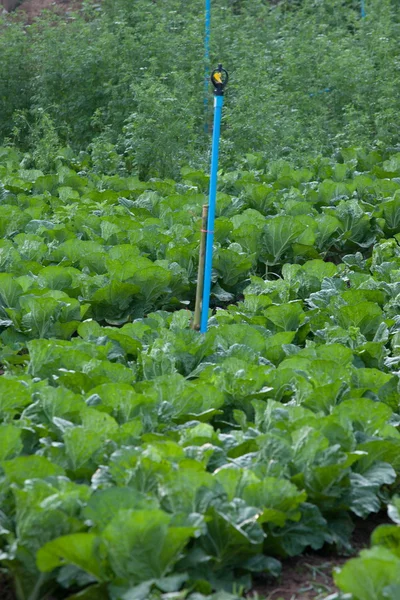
(122, 81)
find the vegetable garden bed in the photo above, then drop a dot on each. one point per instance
(138, 457)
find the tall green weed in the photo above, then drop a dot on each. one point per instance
(306, 77)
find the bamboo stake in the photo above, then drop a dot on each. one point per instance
(200, 275)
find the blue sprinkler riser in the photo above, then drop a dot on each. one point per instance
(363, 11)
(207, 62)
(218, 103)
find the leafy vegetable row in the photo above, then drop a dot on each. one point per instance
(138, 457)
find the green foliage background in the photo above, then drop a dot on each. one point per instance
(124, 81)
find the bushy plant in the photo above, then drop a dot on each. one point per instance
(306, 77)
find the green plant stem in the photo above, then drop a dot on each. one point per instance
(35, 595)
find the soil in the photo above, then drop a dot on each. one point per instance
(30, 9)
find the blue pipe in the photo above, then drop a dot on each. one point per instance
(325, 91)
(207, 62)
(363, 11)
(218, 103)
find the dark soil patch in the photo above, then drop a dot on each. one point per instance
(309, 577)
(364, 528)
(30, 9)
